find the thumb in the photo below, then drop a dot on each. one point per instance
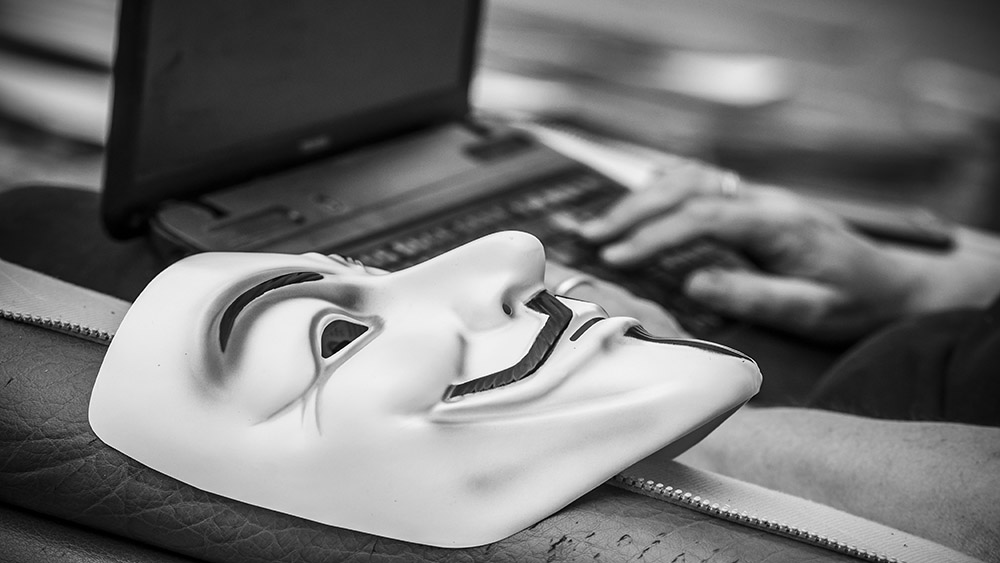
(777, 301)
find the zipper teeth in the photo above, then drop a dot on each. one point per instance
(692, 500)
(74, 329)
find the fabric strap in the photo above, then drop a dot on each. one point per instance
(784, 514)
(34, 298)
(41, 300)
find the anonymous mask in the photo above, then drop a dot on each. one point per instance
(452, 403)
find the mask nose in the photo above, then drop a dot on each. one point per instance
(499, 254)
(505, 251)
(484, 280)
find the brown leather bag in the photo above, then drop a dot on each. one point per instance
(52, 465)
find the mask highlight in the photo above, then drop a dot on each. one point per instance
(452, 404)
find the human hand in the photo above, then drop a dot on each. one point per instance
(616, 300)
(818, 277)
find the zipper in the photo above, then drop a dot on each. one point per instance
(72, 329)
(690, 499)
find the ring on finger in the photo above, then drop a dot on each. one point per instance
(730, 184)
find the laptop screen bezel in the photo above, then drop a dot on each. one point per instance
(128, 202)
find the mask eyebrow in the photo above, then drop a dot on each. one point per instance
(240, 303)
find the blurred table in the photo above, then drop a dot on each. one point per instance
(29, 156)
(897, 101)
(893, 101)
(55, 81)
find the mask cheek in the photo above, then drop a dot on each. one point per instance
(397, 374)
(272, 367)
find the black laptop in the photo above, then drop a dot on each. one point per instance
(337, 126)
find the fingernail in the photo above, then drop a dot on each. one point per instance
(704, 283)
(565, 222)
(615, 253)
(590, 229)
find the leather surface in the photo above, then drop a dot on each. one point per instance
(53, 464)
(26, 537)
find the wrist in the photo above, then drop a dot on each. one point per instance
(966, 276)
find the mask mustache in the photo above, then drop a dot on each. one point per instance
(640, 333)
(559, 317)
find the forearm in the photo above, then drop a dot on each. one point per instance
(940, 481)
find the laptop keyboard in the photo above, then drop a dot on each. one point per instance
(541, 208)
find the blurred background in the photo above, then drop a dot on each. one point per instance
(894, 102)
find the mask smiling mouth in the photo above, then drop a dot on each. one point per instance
(558, 319)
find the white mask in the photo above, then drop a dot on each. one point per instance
(452, 403)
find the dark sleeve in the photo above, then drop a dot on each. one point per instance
(939, 367)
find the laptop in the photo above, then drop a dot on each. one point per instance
(340, 127)
(261, 125)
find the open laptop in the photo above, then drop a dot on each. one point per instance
(331, 126)
(344, 127)
(339, 127)
(296, 125)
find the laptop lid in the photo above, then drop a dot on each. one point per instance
(211, 93)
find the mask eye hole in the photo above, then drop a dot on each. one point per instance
(339, 334)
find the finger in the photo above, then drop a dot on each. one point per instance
(619, 302)
(556, 273)
(657, 321)
(668, 190)
(745, 224)
(616, 300)
(779, 302)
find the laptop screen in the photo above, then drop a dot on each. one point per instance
(208, 93)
